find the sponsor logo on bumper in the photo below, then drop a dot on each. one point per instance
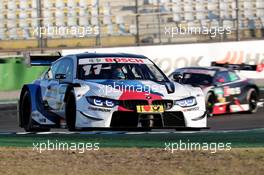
(150, 109)
(99, 109)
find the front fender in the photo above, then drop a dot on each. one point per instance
(32, 89)
(37, 103)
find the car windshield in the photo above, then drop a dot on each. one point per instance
(197, 79)
(120, 71)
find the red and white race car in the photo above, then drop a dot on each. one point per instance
(92, 90)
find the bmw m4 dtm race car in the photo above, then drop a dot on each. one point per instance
(225, 90)
(96, 91)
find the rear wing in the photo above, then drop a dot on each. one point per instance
(243, 66)
(40, 60)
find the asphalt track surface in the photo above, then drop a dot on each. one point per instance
(238, 121)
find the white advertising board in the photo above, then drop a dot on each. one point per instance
(170, 57)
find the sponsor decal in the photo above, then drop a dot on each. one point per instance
(42, 120)
(220, 95)
(114, 60)
(38, 117)
(99, 109)
(231, 91)
(219, 91)
(191, 109)
(220, 109)
(124, 60)
(235, 57)
(150, 109)
(221, 99)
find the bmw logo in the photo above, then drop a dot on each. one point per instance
(148, 97)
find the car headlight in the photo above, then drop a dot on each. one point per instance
(187, 102)
(102, 102)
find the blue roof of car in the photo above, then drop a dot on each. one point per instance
(98, 55)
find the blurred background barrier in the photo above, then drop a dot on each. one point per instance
(170, 57)
(14, 73)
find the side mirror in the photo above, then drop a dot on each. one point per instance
(60, 76)
(178, 78)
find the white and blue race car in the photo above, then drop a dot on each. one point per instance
(114, 91)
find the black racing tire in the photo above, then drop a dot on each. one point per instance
(252, 100)
(210, 102)
(70, 111)
(25, 114)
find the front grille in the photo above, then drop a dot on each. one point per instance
(124, 120)
(167, 104)
(173, 119)
(132, 104)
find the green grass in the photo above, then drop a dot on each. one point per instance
(239, 139)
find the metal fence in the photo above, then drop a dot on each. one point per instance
(102, 23)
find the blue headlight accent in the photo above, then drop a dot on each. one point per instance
(109, 103)
(187, 102)
(98, 102)
(102, 102)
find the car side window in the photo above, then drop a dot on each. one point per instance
(50, 74)
(46, 74)
(222, 77)
(65, 67)
(233, 76)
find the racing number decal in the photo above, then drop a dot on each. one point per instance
(150, 109)
(225, 92)
(231, 91)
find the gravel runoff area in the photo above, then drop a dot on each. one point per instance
(126, 161)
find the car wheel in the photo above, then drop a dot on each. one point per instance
(210, 102)
(25, 112)
(252, 98)
(70, 111)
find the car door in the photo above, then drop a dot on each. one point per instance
(47, 85)
(236, 84)
(227, 88)
(60, 86)
(53, 90)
